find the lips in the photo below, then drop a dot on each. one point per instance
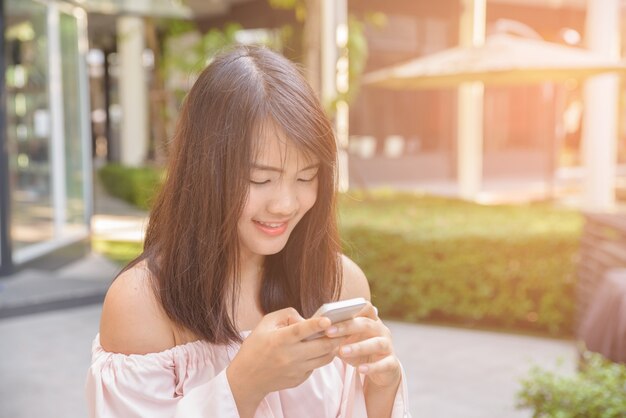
(271, 228)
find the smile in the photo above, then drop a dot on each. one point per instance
(271, 228)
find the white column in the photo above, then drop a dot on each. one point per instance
(83, 83)
(334, 22)
(133, 90)
(312, 44)
(57, 118)
(470, 105)
(599, 136)
(328, 51)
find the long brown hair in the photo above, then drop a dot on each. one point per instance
(191, 244)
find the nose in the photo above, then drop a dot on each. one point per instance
(284, 202)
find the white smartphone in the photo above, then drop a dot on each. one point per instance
(338, 311)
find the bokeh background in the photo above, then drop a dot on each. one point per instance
(482, 177)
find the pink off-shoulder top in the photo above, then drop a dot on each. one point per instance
(190, 381)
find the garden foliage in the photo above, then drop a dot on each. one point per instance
(430, 258)
(135, 185)
(598, 390)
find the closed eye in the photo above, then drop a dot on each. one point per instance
(259, 182)
(309, 179)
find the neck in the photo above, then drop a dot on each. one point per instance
(248, 305)
(250, 269)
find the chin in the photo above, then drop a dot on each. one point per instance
(268, 248)
(271, 250)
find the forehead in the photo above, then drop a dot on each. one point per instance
(272, 146)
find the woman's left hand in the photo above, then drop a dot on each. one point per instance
(368, 347)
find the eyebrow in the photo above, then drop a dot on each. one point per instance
(280, 170)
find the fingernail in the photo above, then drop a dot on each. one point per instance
(363, 368)
(331, 330)
(346, 350)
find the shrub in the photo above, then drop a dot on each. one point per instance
(120, 252)
(135, 185)
(430, 258)
(598, 390)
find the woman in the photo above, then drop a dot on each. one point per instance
(241, 247)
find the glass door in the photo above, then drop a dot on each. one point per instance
(77, 135)
(47, 126)
(28, 123)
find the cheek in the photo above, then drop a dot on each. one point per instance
(251, 205)
(309, 198)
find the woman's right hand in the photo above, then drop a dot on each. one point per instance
(274, 357)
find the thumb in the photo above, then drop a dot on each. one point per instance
(285, 317)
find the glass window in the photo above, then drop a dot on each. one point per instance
(28, 122)
(47, 126)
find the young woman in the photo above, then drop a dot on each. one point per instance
(241, 248)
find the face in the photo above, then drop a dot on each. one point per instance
(283, 187)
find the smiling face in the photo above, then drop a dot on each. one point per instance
(283, 187)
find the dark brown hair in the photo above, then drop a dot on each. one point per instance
(191, 244)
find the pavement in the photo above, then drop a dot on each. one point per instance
(80, 283)
(48, 320)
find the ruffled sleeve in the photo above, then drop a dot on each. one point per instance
(154, 385)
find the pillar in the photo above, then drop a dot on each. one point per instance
(334, 81)
(470, 105)
(133, 91)
(599, 136)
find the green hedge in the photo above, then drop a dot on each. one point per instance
(598, 390)
(120, 252)
(135, 185)
(437, 259)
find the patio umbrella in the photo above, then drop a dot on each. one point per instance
(503, 59)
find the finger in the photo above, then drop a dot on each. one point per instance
(372, 346)
(320, 347)
(356, 361)
(359, 325)
(369, 311)
(307, 328)
(322, 360)
(388, 365)
(284, 317)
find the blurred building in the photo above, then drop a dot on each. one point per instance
(76, 90)
(46, 184)
(45, 170)
(411, 136)
(531, 132)
(77, 77)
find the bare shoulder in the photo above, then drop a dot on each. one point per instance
(354, 281)
(133, 321)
